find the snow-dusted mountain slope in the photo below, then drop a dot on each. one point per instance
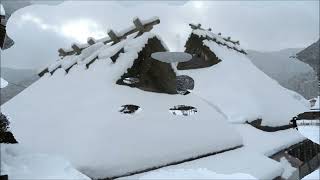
(288, 71)
(76, 115)
(18, 80)
(311, 56)
(241, 90)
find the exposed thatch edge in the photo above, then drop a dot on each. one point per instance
(171, 164)
(194, 43)
(257, 124)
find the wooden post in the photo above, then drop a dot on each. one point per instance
(76, 48)
(91, 41)
(43, 72)
(113, 36)
(138, 25)
(195, 26)
(61, 52)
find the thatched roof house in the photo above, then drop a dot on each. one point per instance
(135, 121)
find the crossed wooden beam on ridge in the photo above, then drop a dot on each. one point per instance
(198, 26)
(139, 26)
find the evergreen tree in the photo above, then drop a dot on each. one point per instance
(5, 135)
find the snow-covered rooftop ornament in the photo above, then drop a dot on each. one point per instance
(170, 57)
(2, 11)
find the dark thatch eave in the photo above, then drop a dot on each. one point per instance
(153, 75)
(202, 55)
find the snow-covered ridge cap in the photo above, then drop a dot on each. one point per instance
(218, 38)
(131, 45)
(114, 36)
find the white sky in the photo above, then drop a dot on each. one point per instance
(39, 30)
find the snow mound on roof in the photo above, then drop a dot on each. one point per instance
(2, 11)
(76, 115)
(4, 83)
(20, 164)
(242, 91)
(200, 173)
(316, 104)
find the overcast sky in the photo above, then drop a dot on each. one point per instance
(39, 30)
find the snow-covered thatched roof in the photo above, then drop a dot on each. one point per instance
(78, 110)
(240, 89)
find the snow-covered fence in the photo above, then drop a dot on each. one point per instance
(140, 26)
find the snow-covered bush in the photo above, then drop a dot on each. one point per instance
(5, 135)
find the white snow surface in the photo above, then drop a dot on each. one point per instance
(310, 132)
(288, 169)
(267, 143)
(238, 161)
(192, 174)
(21, 164)
(2, 11)
(4, 83)
(79, 112)
(315, 175)
(242, 91)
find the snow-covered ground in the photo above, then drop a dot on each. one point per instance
(4, 83)
(310, 132)
(21, 164)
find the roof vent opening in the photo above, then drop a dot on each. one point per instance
(129, 109)
(185, 84)
(131, 80)
(183, 110)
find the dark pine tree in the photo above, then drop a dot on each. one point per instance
(5, 135)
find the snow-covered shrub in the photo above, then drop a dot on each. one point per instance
(5, 135)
